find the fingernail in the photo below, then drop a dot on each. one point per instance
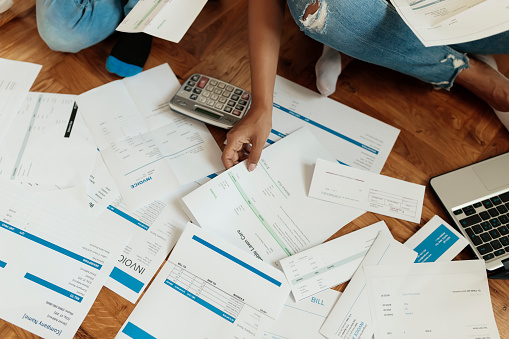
(251, 167)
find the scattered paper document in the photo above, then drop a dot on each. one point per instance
(165, 19)
(267, 212)
(352, 137)
(159, 226)
(449, 22)
(350, 317)
(431, 300)
(329, 264)
(54, 262)
(376, 193)
(148, 149)
(207, 289)
(436, 241)
(48, 144)
(16, 78)
(101, 188)
(299, 320)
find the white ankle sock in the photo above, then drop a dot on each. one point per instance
(327, 69)
(489, 60)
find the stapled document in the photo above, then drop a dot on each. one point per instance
(329, 264)
(376, 193)
(436, 241)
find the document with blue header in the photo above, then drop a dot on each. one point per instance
(207, 289)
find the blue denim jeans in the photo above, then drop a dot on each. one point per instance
(372, 31)
(72, 25)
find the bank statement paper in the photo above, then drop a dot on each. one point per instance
(207, 289)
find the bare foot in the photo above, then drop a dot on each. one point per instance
(486, 83)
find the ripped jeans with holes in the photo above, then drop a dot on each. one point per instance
(372, 31)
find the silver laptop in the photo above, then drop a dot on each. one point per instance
(476, 197)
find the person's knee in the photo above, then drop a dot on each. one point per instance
(69, 26)
(315, 16)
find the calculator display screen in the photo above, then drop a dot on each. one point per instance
(210, 114)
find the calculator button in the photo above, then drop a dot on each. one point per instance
(228, 109)
(219, 106)
(235, 97)
(187, 88)
(229, 88)
(203, 81)
(477, 204)
(218, 91)
(191, 83)
(206, 94)
(222, 100)
(221, 85)
(193, 97)
(236, 112)
(210, 102)
(213, 82)
(214, 96)
(202, 99)
(231, 103)
(243, 102)
(195, 77)
(239, 107)
(238, 91)
(226, 94)
(245, 96)
(209, 88)
(197, 90)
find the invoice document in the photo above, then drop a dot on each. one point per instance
(16, 78)
(148, 149)
(299, 320)
(158, 227)
(350, 317)
(436, 241)
(207, 289)
(352, 137)
(431, 300)
(329, 264)
(47, 144)
(376, 193)
(165, 19)
(267, 212)
(53, 262)
(449, 22)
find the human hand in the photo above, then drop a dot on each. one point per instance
(247, 138)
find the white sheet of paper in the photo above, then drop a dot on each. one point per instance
(436, 241)
(329, 264)
(267, 212)
(352, 137)
(159, 226)
(449, 22)
(376, 193)
(299, 320)
(431, 300)
(48, 143)
(209, 280)
(148, 149)
(350, 317)
(53, 262)
(165, 19)
(16, 78)
(101, 188)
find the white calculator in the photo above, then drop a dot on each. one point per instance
(211, 100)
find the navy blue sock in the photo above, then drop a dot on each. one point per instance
(129, 54)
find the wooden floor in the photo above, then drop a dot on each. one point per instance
(440, 130)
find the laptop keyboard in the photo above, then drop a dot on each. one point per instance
(487, 225)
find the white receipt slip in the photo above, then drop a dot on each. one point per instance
(209, 280)
(329, 264)
(350, 317)
(376, 193)
(431, 300)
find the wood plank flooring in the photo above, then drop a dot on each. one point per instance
(440, 130)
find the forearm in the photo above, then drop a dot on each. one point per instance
(265, 23)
